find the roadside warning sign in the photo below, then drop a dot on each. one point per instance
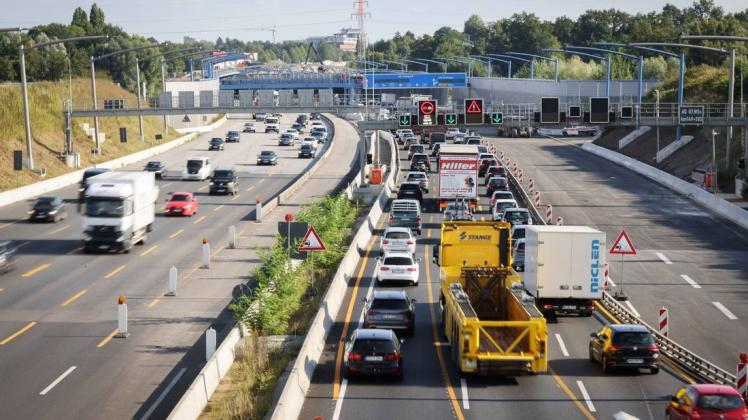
(623, 245)
(311, 241)
(474, 108)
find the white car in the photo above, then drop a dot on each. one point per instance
(397, 239)
(451, 133)
(517, 216)
(420, 177)
(501, 195)
(498, 207)
(459, 138)
(518, 232)
(397, 267)
(294, 132)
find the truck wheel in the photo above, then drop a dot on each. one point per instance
(149, 228)
(655, 370)
(606, 369)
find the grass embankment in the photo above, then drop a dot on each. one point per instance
(45, 109)
(280, 305)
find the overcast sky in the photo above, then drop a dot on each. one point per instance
(297, 19)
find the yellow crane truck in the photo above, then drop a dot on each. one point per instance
(492, 326)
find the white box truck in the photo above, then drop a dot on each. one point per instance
(119, 210)
(564, 268)
(458, 174)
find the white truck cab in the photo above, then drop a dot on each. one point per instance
(197, 168)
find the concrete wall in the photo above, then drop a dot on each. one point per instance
(176, 86)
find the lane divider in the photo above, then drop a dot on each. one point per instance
(219, 207)
(74, 297)
(664, 258)
(148, 251)
(11, 337)
(690, 281)
(107, 339)
(199, 220)
(115, 271)
(175, 234)
(36, 270)
(57, 381)
(60, 229)
(725, 311)
(586, 396)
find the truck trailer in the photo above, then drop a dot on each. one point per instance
(564, 268)
(119, 210)
(458, 174)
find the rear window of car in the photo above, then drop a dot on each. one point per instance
(397, 235)
(720, 402)
(505, 205)
(223, 174)
(398, 261)
(391, 304)
(376, 345)
(406, 187)
(632, 339)
(266, 153)
(180, 197)
(497, 181)
(404, 213)
(416, 177)
(420, 157)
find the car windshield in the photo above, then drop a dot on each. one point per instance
(505, 205)
(416, 177)
(420, 158)
(391, 304)
(498, 181)
(720, 402)
(223, 174)
(416, 148)
(306, 147)
(633, 339)
(216, 140)
(104, 207)
(398, 261)
(374, 345)
(154, 164)
(44, 202)
(233, 133)
(397, 235)
(410, 187)
(180, 197)
(516, 217)
(267, 153)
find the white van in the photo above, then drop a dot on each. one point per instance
(272, 124)
(198, 168)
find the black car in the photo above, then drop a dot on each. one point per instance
(307, 151)
(298, 127)
(485, 164)
(48, 209)
(437, 138)
(232, 137)
(215, 143)
(88, 173)
(390, 309)
(373, 352)
(224, 181)
(314, 116)
(420, 162)
(496, 171)
(435, 149)
(624, 345)
(158, 168)
(411, 190)
(496, 183)
(267, 157)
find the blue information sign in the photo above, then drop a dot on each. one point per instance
(415, 80)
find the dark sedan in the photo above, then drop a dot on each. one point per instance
(267, 157)
(158, 168)
(232, 137)
(390, 309)
(624, 345)
(373, 352)
(48, 209)
(496, 183)
(215, 143)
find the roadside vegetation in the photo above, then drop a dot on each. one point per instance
(283, 302)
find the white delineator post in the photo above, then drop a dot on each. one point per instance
(607, 277)
(122, 318)
(206, 254)
(232, 236)
(537, 199)
(258, 210)
(210, 343)
(549, 214)
(741, 378)
(532, 186)
(559, 221)
(172, 281)
(663, 321)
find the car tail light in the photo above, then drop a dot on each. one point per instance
(590, 307)
(372, 313)
(354, 357)
(418, 218)
(410, 314)
(385, 242)
(614, 348)
(384, 269)
(695, 414)
(410, 242)
(391, 218)
(653, 348)
(547, 306)
(392, 357)
(412, 269)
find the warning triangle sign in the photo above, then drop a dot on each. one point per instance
(311, 241)
(623, 245)
(474, 108)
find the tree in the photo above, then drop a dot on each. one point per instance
(80, 19)
(97, 17)
(477, 32)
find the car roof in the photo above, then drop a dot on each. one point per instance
(628, 328)
(507, 200)
(181, 192)
(389, 294)
(398, 254)
(516, 209)
(416, 172)
(714, 389)
(224, 168)
(373, 334)
(396, 229)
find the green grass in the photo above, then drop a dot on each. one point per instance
(45, 109)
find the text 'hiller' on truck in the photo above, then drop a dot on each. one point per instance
(492, 326)
(119, 210)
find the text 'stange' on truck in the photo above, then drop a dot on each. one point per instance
(119, 210)
(492, 326)
(564, 268)
(458, 174)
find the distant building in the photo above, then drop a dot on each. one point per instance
(345, 40)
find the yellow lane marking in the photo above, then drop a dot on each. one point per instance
(153, 303)
(35, 270)
(236, 197)
(59, 229)
(74, 297)
(73, 251)
(8, 224)
(249, 189)
(218, 208)
(175, 234)
(199, 220)
(348, 314)
(570, 394)
(115, 271)
(439, 353)
(106, 339)
(148, 251)
(17, 333)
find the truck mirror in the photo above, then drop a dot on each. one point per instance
(593, 335)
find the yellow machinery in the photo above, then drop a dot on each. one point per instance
(492, 326)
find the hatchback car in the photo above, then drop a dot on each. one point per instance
(373, 352)
(459, 138)
(436, 149)
(397, 239)
(420, 162)
(286, 139)
(421, 178)
(181, 204)
(249, 127)
(501, 195)
(409, 141)
(307, 151)
(215, 143)
(299, 127)
(499, 206)
(294, 132)
(397, 267)
(224, 180)
(517, 216)
(158, 168)
(706, 401)
(232, 137)
(48, 209)
(267, 157)
(458, 211)
(411, 190)
(416, 148)
(624, 345)
(390, 309)
(496, 183)
(320, 136)
(485, 164)
(451, 133)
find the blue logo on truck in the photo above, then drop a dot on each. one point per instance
(595, 267)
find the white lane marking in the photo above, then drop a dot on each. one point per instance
(664, 258)
(164, 393)
(633, 310)
(465, 400)
(562, 345)
(611, 282)
(724, 310)
(57, 381)
(586, 396)
(690, 281)
(344, 382)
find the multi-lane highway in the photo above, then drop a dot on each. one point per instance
(433, 388)
(59, 357)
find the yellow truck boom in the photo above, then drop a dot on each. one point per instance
(491, 325)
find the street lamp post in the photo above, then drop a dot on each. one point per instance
(140, 115)
(714, 162)
(524, 60)
(541, 57)
(657, 117)
(489, 59)
(24, 87)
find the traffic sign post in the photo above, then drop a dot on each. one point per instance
(311, 243)
(473, 111)
(450, 119)
(663, 321)
(497, 118)
(427, 112)
(622, 246)
(404, 120)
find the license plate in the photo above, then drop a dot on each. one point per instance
(635, 361)
(391, 316)
(373, 358)
(398, 271)
(103, 246)
(177, 210)
(569, 307)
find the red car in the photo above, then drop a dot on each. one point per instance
(707, 401)
(181, 204)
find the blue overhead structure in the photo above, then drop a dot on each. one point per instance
(209, 62)
(596, 57)
(541, 57)
(524, 60)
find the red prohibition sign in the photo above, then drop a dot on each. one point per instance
(427, 108)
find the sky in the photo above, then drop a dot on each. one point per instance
(171, 20)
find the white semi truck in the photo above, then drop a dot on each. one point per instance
(564, 268)
(119, 210)
(458, 174)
